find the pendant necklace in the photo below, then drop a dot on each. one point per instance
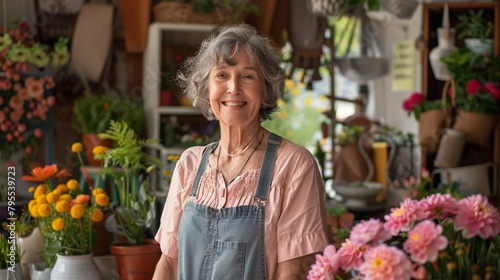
(217, 170)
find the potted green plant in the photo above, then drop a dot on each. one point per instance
(128, 165)
(10, 267)
(477, 28)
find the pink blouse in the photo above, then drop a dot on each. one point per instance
(295, 216)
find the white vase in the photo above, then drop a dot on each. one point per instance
(445, 47)
(15, 274)
(31, 251)
(80, 267)
(478, 46)
(38, 271)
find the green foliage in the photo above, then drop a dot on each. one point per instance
(349, 135)
(129, 166)
(8, 248)
(475, 24)
(236, 8)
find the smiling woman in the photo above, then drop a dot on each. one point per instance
(248, 185)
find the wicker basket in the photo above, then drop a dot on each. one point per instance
(171, 11)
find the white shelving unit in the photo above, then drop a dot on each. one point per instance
(160, 33)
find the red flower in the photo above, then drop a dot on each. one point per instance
(407, 105)
(416, 98)
(492, 89)
(473, 87)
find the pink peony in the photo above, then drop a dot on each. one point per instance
(476, 216)
(439, 206)
(492, 89)
(351, 255)
(326, 265)
(386, 263)
(369, 232)
(473, 87)
(425, 241)
(402, 218)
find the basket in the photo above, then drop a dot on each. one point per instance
(178, 12)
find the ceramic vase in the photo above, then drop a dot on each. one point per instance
(39, 271)
(31, 249)
(79, 267)
(445, 47)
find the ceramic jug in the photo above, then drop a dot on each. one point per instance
(38, 271)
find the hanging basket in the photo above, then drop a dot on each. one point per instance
(178, 12)
(477, 127)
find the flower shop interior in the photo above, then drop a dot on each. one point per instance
(397, 100)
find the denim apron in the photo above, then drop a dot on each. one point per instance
(226, 243)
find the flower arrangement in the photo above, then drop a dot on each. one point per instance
(437, 237)
(25, 99)
(483, 98)
(63, 212)
(416, 103)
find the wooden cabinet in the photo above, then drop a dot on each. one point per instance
(433, 88)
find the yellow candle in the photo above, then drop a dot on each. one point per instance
(380, 166)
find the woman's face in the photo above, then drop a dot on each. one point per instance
(236, 92)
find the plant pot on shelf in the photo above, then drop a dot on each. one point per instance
(91, 140)
(478, 46)
(450, 149)
(429, 129)
(136, 262)
(477, 127)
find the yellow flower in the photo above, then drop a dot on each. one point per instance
(73, 184)
(31, 204)
(97, 191)
(62, 206)
(77, 211)
(43, 210)
(52, 197)
(76, 147)
(62, 188)
(102, 199)
(66, 197)
(99, 150)
(58, 224)
(41, 199)
(34, 211)
(31, 189)
(97, 215)
(41, 189)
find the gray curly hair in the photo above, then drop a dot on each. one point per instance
(195, 71)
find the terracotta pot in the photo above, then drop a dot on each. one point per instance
(91, 140)
(135, 17)
(478, 128)
(429, 129)
(136, 262)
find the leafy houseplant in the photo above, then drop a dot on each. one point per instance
(437, 237)
(416, 103)
(62, 212)
(477, 28)
(129, 165)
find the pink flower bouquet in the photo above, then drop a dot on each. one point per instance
(438, 237)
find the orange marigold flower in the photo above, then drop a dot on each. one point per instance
(41, 199)
(52, 197)
(77, 211)
(58, 224)
(97, 215)
(102, 199)
(40, 174)
(62, 206)
(31, 189)
(66, 197)
(31, 204)
(62, 188)
(73, 184)
(97, 191)
(34, 211)
(43, 210)
(76, 147)
(82, 199)
(99, 150)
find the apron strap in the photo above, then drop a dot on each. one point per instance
(267, 168)
(202, 167)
